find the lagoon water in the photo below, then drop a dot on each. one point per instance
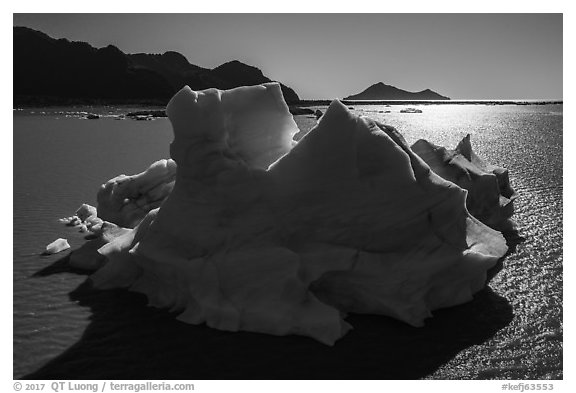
(65, 330)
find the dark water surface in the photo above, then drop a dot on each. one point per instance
(63, 329)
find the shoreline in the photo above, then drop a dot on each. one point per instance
(47, 102)
(432, 102)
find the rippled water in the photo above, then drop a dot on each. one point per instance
(63, 329)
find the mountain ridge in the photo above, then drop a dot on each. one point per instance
(50, 69)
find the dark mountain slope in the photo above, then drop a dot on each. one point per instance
(49, 69)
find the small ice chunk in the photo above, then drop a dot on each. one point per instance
(411, 110)
(56, 246)
(93, 221)
(69, 221)
(85, 211)
(73, 221)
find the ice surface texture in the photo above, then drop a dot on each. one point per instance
(125, 200)
(260, 236)
(490, 196)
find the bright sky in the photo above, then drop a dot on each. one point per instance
(325, 56)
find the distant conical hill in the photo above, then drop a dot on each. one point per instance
(48, 70)
(380, 91)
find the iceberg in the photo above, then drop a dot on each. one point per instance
(490, 195)
(259, 233)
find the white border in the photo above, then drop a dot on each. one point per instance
(303, 6)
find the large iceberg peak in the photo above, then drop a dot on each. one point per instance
(250, 123)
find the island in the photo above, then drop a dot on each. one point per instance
(380, 91)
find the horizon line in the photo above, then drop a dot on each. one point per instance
(303, 99)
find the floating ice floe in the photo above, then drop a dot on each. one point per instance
(86, 218)
(410, 110)
(86, 211)
(56, 246)
(260, 234)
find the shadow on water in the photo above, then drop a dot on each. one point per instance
(62, 265)
(128, 340)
